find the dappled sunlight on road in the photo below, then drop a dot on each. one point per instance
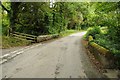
(78, 34)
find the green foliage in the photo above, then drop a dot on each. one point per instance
(93, 31)
(67, 32)
(5, 24)
(5, 18)
(105, 42)
(34, 18)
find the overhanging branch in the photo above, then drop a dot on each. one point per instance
(4, 7)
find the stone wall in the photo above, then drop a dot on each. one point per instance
(46, 37)
(102, 54)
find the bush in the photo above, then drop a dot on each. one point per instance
(93, 31)
(105, 42)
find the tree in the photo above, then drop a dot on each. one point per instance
(5, 17)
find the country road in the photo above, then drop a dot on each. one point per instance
(62, 58)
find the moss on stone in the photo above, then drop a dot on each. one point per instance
(90, 38)
(100, 49)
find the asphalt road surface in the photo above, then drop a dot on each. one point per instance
(62, 58)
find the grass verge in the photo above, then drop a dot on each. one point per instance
(8, 42)
(67, 32)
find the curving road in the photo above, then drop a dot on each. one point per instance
(62, 58)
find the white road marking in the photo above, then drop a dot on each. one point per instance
(4, 56)
(13, 54)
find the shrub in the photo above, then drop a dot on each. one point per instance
(93, 31)
(105, 42)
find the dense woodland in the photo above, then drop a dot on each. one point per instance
(39, 18)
